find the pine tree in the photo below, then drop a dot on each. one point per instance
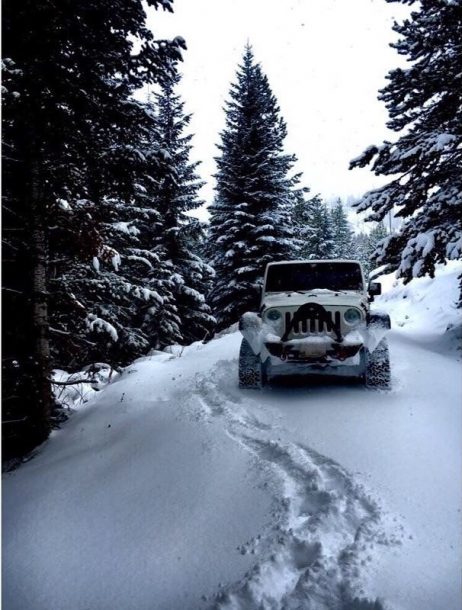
(303, 229)
(145, 288)
(361, 251)
(97, 305)
(175, 194)
(70, 125)
(341, 232)
(322, 244)
(367, 246)
(424, 102)
(250, 222)
(376, 238)
(313, 228)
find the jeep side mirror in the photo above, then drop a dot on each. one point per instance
(375, 288)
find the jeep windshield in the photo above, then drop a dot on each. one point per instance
(301, 277)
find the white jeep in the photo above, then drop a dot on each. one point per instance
(315, 318)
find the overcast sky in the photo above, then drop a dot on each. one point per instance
(325, 60)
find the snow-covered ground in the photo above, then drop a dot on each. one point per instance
(174, 490)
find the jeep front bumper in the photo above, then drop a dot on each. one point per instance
(312, 350)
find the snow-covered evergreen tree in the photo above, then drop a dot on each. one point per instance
(376, 237)
(424, 101)
(115, 275)
(313, 229)
(144, 287)
(367, 246)
(342, 235)
(360, 251)
(250, 222)
(302, 224)
(176, 193)
(97, 303)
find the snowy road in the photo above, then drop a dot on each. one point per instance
(175, 490)
(406, 446)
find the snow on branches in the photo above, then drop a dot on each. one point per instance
(424, 103)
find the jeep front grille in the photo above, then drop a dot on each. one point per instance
(311, 326)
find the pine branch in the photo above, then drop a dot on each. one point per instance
(73, 337)
(71, 382)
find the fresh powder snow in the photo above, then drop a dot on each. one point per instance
(173, 489)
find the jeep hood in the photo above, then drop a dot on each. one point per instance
(326, 298)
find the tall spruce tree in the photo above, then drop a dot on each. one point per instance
(70, 126)
(424, 102)
(176, 192)
(250, 222)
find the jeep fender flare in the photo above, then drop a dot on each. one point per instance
(378, 324)
(251, 326)
(379, 319)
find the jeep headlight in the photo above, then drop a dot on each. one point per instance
(352, 316)
(273, 315)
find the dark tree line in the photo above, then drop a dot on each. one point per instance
(87, 275)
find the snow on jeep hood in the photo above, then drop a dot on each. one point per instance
(324, 297)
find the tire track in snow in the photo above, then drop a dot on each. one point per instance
(329, 527)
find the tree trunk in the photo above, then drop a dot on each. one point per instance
(41, 411)
(26, 351)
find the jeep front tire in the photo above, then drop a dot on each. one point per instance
(378, 374)
(251, 370)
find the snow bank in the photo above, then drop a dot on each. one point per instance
(73, 390)
(425, 309)
(137, 502)
(171, 490)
